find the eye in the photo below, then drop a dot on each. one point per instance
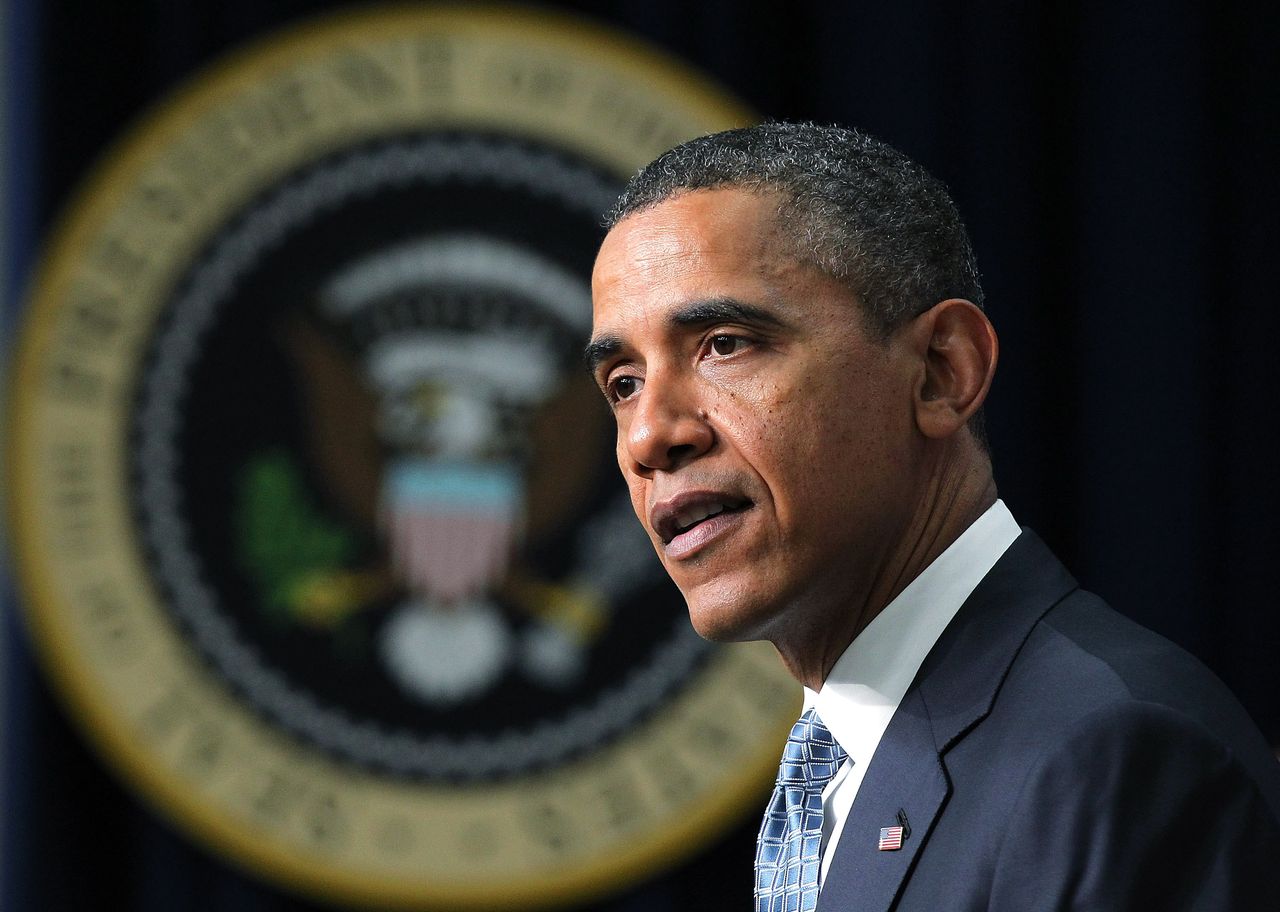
(724, 344)
(623, 387)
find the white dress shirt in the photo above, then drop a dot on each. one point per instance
(868, 681)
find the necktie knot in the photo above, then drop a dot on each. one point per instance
(812, 755)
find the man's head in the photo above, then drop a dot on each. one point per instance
(791, 457)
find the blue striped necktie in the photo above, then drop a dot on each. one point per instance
(788, 850)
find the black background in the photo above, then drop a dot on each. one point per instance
(1116, 165)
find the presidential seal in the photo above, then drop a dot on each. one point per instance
(317, 520)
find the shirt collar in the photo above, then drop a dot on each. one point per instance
(876, 669)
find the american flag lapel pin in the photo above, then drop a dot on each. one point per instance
(891, 836)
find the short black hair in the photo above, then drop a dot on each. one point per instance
(856, 208)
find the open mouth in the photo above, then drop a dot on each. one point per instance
(672, 522)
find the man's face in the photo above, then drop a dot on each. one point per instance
(766, 436)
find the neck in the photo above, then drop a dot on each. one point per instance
(956, 494)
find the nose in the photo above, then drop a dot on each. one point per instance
(666, 428)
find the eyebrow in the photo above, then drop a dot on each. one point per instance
(599, 350)
(695, 313)
(717, 310)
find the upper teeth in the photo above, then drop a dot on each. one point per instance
(696, 514)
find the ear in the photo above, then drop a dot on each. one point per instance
(958, 348)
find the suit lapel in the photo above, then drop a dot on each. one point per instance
(953, 691)
(905, 775)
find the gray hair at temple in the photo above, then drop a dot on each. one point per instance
(856, 208)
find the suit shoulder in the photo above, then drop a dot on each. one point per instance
(1131, 788)
(1148, 665)
(1110, 676)
(1112, 658)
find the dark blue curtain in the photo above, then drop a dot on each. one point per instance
(1117, 166)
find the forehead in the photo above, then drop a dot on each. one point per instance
(694, 243)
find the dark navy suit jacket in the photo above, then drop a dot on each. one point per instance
(1052, 755)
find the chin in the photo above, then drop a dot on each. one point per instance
(714, 629)
(725, 617)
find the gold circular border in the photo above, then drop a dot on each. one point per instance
(744, 679)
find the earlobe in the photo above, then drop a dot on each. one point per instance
(958, 349)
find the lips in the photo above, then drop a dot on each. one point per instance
(691, 511)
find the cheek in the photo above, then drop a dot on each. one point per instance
(635, 484)
(771, 425)
(637, 489)
(755, 417)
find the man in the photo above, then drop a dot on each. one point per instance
(788, 328)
